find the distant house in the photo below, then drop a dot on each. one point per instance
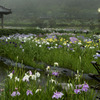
(4, 11)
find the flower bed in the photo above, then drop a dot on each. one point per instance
(69, 50)
(21, 85)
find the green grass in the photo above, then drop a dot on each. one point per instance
(46, 92)
(79, 59)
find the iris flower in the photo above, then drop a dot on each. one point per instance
(29, 92)
(15, 93)
(57, 95)
(77, 91)
(55, 73)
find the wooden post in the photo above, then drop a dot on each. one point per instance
(2, 21)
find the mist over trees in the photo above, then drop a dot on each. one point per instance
(34, 10)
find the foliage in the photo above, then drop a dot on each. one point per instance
(49, 49)
(7, 32)
(20, 85)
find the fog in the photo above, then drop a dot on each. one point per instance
(30, 10)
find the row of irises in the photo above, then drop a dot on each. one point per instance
(50, 41)
(49, 49)
(25, 86)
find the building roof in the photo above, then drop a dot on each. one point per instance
(4, 10)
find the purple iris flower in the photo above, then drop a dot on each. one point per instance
(82, 37)
(77, 91)
(95, 57)
(13, 72)
(71, 48)
(53, 37)
(73, 39)
(40, 35)
(84, 89)
(85, 85)
(60, 46)
(57, 95)
(13, 94)
(55, 73)
(79, 86)
(98, 55)
(18, 93)
(20, 46)
(48, 47)
(49, 36)
(68, 45)
(30, 72)
(13, 42)
(15, 45)
(29, 92)
(22, 42)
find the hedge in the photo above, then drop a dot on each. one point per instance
(6, 32)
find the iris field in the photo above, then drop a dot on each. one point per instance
(68, 50)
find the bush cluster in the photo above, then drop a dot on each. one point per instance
(6, 32)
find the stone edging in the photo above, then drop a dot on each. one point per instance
(64, 71)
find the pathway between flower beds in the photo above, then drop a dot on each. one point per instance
(61, 71)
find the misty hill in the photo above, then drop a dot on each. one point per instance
(58, 9)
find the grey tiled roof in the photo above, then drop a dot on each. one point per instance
(4, 10)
